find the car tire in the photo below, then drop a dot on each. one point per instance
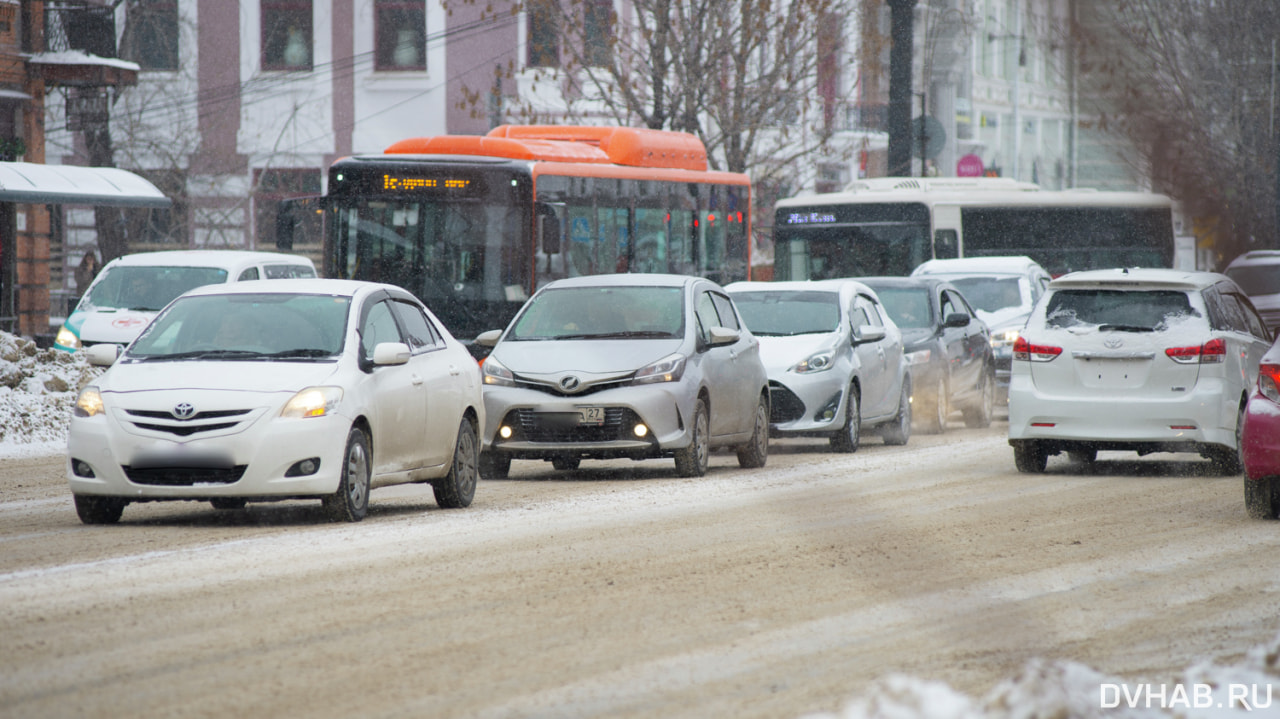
(566, 463)
(850, 435)
(755, 452)
(979, 415)
(228, 503)
(1227, 460)
(99, 510)
(495, 465)
(691, 461)
(351, 502)
(898, 431)
(934, 421)
(1262, 497)
(1030, 457)
(458, 487)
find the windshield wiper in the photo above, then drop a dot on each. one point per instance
(632, 334)
(303, 352)
(201, 354)
(1125, 328)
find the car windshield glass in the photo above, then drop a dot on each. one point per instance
(602, 313)
(286, 272)
(990, 293)
(908, 307)
(1256, 279)
(147, 288)
(1134, 310)
(256, 326)
(787, 312)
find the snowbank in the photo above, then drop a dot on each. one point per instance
(38, 388)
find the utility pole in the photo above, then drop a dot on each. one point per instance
(902, 37)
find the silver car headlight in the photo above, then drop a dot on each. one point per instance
(918, 357)
(89, 403)
(1004, 338)
(667, 369)
(497, 375)
(312, 402)
(820, 362)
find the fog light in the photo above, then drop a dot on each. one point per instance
(641, 430)
(82, 468)
(304, 467)
(504, 431)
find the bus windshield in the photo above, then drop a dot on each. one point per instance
(462, 257)
(850, 240)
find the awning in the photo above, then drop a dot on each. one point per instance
(30, 183)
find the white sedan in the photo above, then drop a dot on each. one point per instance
(281, 389)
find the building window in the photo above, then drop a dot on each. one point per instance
(401, 34)
(286, 34)
(151, 34)
(597, 25)
(544, 33)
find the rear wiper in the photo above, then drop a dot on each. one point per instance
(1126, 328)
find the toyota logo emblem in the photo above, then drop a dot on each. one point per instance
(1113, 342)
(184, 410)
(570, 383)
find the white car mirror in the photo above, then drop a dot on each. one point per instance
(390, 353)
(488, 339)
(721, 336)
(103, 355)
(868, 333)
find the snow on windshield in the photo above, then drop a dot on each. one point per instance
(1134, 310)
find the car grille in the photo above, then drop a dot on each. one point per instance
(184, 476)
(551, 388)
(784, 405)
(199, 422)
(550, 426)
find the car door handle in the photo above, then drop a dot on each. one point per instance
(415, 379)
(453, 370)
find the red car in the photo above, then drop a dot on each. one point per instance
(1260, 441)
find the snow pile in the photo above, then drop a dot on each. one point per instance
(1045, 689)
(38, 388)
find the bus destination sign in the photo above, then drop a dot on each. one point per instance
(810, 218)
(395, 183)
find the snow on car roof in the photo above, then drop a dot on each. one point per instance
(306, 285)
(1139, 276)
(208, 258)
(1010, 265)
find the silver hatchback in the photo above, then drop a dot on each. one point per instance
(636, 366)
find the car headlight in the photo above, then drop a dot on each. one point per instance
(667, 369)
(312, 402)
(820, 362)
(918, 357)
(67, 338)
(1004, 337)
(89, 403)
(497, 375)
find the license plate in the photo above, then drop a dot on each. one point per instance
(591, 415)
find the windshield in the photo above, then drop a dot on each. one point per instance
(1118, 309)
(908, 308)
(246, 326)
(147, 289)
(602, 313)
(990, 293)
(782, 313)
(1256, 279)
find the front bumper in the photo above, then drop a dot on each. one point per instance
(811, 404)
(249, 462)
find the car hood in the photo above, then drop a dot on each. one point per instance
(221, 376)
(782, 353)
(116, 326)
(584, 356)
(1005, 318)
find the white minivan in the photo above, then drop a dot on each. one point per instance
(130, 290)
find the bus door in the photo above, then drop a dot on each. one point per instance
(948, 235)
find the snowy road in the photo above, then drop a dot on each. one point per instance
(619, 591)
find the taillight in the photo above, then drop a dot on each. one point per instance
(1269, 382)
(1028, 352)
(1211, 352)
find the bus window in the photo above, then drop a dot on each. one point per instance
(946, 245)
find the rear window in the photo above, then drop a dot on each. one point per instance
(1256, 279)
(287, 272)
(1134, 310)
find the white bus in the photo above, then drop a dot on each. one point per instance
(887, 226)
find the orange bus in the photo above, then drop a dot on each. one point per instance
(473, 225)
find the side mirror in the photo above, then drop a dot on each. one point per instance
(868, 333)
(956, 319)
(721, 336)
(488, 339)
(390, 353)
(103, 355)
